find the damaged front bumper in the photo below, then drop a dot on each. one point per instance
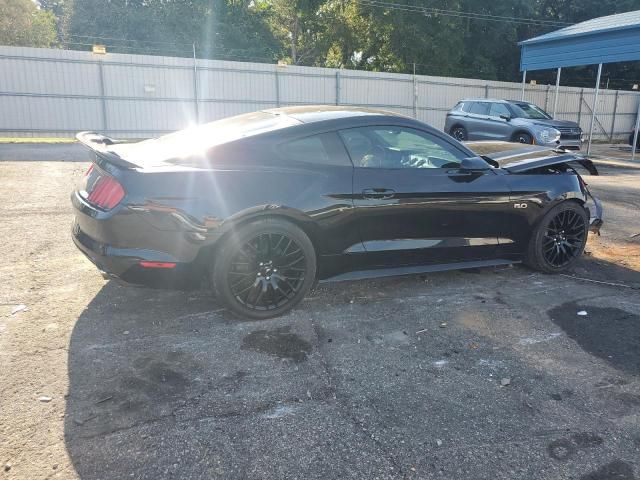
(594, 207)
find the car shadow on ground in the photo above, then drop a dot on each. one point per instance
(397, 383)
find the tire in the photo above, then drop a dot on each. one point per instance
(459, 133)
(559, 238)
(264, 268)
(523, 137)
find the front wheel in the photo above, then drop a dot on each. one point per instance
(523, 137)
(459, 133)
(264, 268)
(559, 238)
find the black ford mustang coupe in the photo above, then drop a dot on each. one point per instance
(265, 204)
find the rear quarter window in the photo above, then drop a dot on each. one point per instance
(321, 149)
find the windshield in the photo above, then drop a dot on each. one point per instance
(528, 110)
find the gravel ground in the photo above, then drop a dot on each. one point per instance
(480, 374)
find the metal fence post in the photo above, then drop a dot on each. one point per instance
(613, 118)
(103, 101)
(594, 108)
(195, 85)
(486, 90)
(337, 87)
(635, 135)
(277, 74)
(415, 93)
(546, 98)
(555, 100)
(580, 105)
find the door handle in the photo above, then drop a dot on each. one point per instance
(378, 193)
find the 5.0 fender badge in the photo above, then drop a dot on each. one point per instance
(520, 205)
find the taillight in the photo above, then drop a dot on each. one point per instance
(106, 193)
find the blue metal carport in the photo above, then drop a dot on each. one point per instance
(615, 38)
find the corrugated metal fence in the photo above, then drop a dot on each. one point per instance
(45, 92)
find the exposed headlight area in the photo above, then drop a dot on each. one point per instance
(547, 135)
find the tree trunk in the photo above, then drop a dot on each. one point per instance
(294, 40)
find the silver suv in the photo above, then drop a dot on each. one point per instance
(511, 121)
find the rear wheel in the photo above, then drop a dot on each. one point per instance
(264, 269)
(523, 137)
(459, 133)
(559, 238)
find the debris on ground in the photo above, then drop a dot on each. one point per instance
(505, 381)
(438, 442)
(443, 324)
(18, 308)
(582, 313)
(44, 399)
(104, 399)
(7, 467)
(421, 331)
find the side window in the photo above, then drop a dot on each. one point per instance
(316, 149)
(479, 108)
(399, 147)
(498, 109)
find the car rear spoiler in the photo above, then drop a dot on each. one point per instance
(99, 145)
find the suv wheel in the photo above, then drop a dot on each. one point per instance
(523, 137)
(459, 133)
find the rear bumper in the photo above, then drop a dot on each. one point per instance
(90, 228)
(124, 264)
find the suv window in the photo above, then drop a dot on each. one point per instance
(399, 147)
(479, 108)
(498, 109)
(316, 149)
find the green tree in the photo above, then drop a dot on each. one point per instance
(62, 10)
(22, 23)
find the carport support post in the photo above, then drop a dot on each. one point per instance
(635, 134)
(595, 105)
(555, 100)
(524, 82)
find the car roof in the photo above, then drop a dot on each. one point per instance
(496, 100)
(319, 113)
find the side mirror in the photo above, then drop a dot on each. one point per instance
(474, 164)
(505, 117)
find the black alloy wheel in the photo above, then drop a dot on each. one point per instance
(459, 133)
(265, 269)
(564, 238)
(559, 239)
(524, 138)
